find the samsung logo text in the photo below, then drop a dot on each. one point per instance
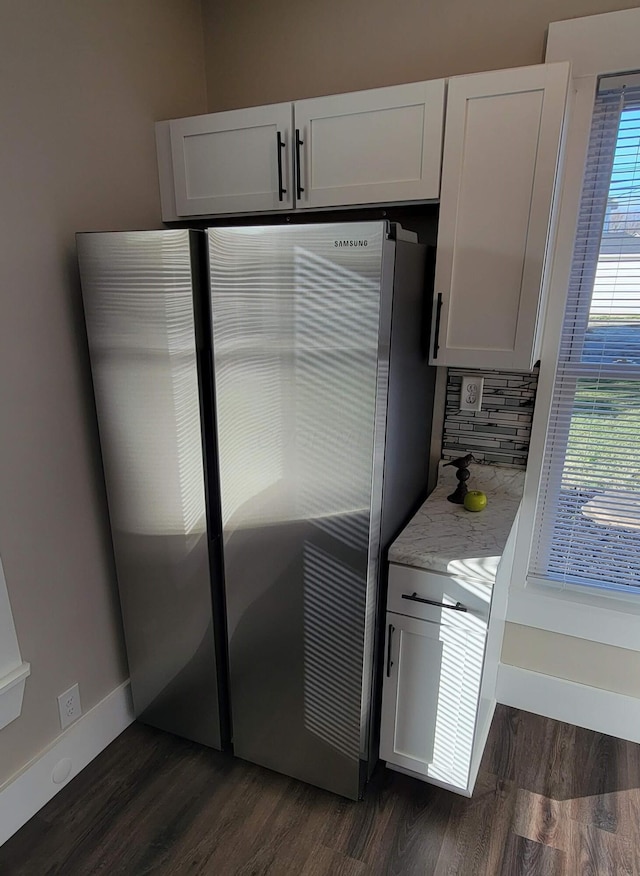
(351, 243)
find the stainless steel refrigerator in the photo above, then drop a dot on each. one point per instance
(264, 406)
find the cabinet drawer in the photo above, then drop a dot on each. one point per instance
(408, 585)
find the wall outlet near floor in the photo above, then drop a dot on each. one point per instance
(69, 706)
(471, 392)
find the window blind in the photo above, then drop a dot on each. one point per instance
(587, 527)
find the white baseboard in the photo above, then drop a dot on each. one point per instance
(27, 792)
(602, 710)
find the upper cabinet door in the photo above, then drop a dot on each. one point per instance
(232, 162)
(370, 147)
(501, 151)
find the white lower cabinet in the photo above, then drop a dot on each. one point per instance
(432, 678)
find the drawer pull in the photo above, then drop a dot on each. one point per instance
(415, 598)
(436, 333)
(389, 660)
(281, 189)
(299, 143)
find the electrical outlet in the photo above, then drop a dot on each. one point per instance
(471, 392)
(69, 706)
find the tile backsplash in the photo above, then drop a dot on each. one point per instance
(501, 431)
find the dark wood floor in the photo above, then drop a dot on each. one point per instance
(551, 799)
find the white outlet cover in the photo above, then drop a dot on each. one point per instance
(61, 771)
(471, 392)
(69, 706)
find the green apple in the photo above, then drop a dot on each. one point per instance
(475, 500)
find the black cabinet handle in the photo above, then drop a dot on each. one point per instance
(281, 189)
(427, 302)
(436, 334)
(299, 143)
(389, 660)
(415, 598)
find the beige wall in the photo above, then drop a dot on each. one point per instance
(602, 666)
(81, 83)
(265, 51)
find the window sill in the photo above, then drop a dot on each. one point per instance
(610, 618)
(11, 693)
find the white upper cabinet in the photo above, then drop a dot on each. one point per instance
(368, 147)
(501, 150)
(231, 162)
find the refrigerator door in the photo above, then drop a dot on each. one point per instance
(139, 310)
(296, 327)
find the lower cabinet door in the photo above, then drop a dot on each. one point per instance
(430, 697)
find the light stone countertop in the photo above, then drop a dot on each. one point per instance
(444, 537)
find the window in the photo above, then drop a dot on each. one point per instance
(587, 529)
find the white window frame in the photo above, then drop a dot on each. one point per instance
(598, 45)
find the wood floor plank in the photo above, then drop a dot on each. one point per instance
(322, 861)
(588, 849)
(595, 852)
(525, 857)
(106, 794)
(227, 824)
(411, 840)
(542, 819)
(500, 752)
(161, 813)
(596, 797)
(560, 802)
(294, 827)
(545, 756)
(478, 830)
(355, 830)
